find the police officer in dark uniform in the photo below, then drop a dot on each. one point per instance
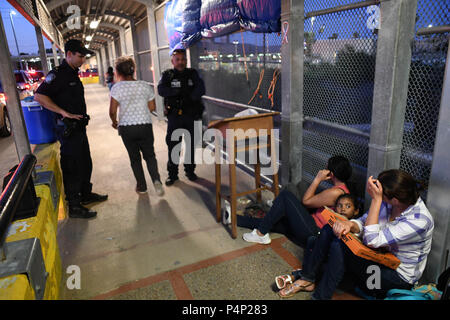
(182, 89)
(63, 93)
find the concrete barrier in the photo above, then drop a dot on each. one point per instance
(52, 211)
(89, 80)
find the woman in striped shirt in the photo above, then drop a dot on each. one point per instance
(397, 220)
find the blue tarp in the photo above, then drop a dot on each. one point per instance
(187, 21)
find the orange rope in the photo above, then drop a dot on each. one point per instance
(273, 83)
(261, 77)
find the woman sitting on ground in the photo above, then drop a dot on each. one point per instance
(346, 205)
(397, 220)
(291, 217)
(135, 101)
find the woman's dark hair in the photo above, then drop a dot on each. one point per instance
(125, 66)
(110, 70)
(353, 199)
(400, 185)
(340, 167)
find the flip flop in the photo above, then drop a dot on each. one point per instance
(284, 280)
(293, 288)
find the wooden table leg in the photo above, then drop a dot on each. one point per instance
(273, 153)
(258, 176)
(218, 197)
(233, 198)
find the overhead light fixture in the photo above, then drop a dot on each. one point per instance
(89, 38)
(94, 24)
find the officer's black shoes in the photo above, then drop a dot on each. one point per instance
(81, 212)
(170, 181)
(141, 190)
(191, 176)
(93, 197)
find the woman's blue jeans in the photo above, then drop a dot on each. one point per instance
(336, 258)
(287, 216)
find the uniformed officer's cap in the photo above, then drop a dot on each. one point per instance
(77, 46)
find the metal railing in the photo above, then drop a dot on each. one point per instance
(11, 197)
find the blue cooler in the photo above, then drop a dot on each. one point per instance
(39, 122)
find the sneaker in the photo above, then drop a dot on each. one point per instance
(159, 188)
(141, 190)
(170, 181)
(93, 197)
(254, 237)
(81, 212)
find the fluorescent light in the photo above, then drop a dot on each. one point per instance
(89, 38)
(94, 24)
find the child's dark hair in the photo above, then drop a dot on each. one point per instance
(340, 167)
(354, 200)
(400, 185)
(125, 66)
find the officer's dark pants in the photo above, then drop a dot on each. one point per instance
(175, 122)
(76, 164)
(137, 139)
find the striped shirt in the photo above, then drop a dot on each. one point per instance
(408, 237)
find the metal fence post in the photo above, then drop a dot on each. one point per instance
(42, 52)
(14, 107)
(135, 48)
(393, 58)
(55, 54)
(155, 59)
(292, 22)
(439, 187)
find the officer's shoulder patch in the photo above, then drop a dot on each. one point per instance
(51, 76)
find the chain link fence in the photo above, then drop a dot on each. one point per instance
(339, 71)
(243, 67)
(424, 90)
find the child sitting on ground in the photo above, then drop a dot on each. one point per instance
(347, 206)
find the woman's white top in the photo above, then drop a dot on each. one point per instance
(133, 98)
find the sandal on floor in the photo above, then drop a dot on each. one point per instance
(284, 280)
(293, 288)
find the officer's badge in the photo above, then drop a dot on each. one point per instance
(50, 77)
(175, 84)
(190, 82)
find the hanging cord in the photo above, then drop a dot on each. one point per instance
(273, 83)
(261, 77)
(245, 56)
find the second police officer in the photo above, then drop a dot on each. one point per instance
(182, 89)
(63, 93)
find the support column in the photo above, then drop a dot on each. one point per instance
(42, 53)
(55, 55)
(15, 113)
(155, 59)
(123, 42)
(292, 92)
(101, 71)
(135, 48)
(439, 188)
(393, 60)
(104, 62)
